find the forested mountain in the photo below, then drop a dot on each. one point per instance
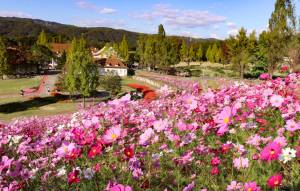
(25, 29)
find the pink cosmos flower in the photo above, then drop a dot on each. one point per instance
(292, 126)
(146, 136)
(5, 163)
(241, 162)
(65, 149)
(264, 76)
(251, 186)
(95, 150)
(117, 187)
(161, 125)
(271, 152)
(112, 134)
(276, 100)
(215, 161)
(190, 102)
(298, 152)
(234, 186)
(223, 119)
(214, 171)
(189, 187)
(274, 181)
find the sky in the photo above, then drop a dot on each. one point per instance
(194, 18)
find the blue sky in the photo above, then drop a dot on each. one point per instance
(196, 18)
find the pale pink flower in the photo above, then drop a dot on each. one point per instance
(292, 126)
(276, 100)
(161, 125)
(241, 162)
(65, 149)
(112, 134)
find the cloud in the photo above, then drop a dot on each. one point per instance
(233, 32)
(231, 25)
(14, 14)
(86, 5)
(181, 18)
(107, 10)
(101, 23)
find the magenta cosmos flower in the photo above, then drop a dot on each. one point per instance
(112, 134)
(271, 152)
(298, 152)
(274, 181)
(251, 186)
(223, 119)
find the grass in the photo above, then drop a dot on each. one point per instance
(13, 106)
(13, 86)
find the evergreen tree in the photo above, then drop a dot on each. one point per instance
(42, 39)
(199, 53)
(123, 48)
(239, 52)
(282, 26)
(184, 52)
(161, 31)
(81, 72)
(215, 57)
(192, 54)
(4, 67)
(140, 50)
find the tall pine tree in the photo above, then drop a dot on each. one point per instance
(123, 48)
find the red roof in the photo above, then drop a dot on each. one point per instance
(60, 47)
(112, 62)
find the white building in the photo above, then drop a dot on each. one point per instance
(112, 64)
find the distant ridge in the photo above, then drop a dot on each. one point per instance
(14, 27)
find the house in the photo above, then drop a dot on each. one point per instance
(112, 64)
(106, 52)
(58, 49)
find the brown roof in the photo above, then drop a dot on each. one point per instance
(112, 62)
(60, 47)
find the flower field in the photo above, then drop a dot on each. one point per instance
(243, 137)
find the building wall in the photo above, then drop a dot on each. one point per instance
(119, 71)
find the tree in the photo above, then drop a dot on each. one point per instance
(161, 31)
(215, 53)
(41, 55)
(123, 48)
(61, 60)
(184, 52)
(282, 26)
(199, 53)
(111, 83)
(81, 72)
(239, 52)
(42, 39)
(192, 54)
(4, 67)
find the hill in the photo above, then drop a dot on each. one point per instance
(20, 28)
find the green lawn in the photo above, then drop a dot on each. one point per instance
(13, 86)
(13, 106)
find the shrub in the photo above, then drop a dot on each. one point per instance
(111, 83)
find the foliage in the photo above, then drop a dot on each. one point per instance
(42, 39)
(281, 28)
(81, 73)
(123, 49)
(111, 83)
(61, 60)
(4, 67)
(41, 55)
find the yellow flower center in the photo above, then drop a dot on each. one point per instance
(113, 136)
(249, 189)
(272, 152)
(276, 182)
(226, 120)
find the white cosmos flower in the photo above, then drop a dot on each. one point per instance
(287, 155)
(61, 171)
